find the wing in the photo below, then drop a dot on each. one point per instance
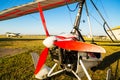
(32, 8)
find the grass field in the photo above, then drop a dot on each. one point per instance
(16, 62)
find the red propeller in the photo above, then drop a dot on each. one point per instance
(43, 19)
(41, 60)
(79, 46)
(44, 53)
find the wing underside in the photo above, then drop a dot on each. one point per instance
(32, 8)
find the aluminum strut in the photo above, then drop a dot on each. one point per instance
(89, 23)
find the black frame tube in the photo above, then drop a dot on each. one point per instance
(104, 22)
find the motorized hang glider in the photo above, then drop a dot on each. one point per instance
(69, 51)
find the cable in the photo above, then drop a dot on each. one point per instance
(91, 9)
(96, 19)
(105, 12)
(72, 10)
(34, 17)
(89, 23)
(104, 9)
(71, 18)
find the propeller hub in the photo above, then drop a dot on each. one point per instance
(49, 41)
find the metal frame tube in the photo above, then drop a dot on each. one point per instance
(89, 23)
(103, 20)
(86, 72)
(50, 74)
(76, 75)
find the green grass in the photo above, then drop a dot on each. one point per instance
(20, 66)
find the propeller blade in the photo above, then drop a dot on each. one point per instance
(43, 19)
(79, 46)
(41, 60)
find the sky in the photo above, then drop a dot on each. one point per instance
(61, 20)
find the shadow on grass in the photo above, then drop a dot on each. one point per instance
(107, 61)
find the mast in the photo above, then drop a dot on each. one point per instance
(78, 17)
(77, 21)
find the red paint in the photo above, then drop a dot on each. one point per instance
(43, 7)
(79, 46)
(43, 19)
(10, 13)
(27, 11)
(55, 4)
(41, 60)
